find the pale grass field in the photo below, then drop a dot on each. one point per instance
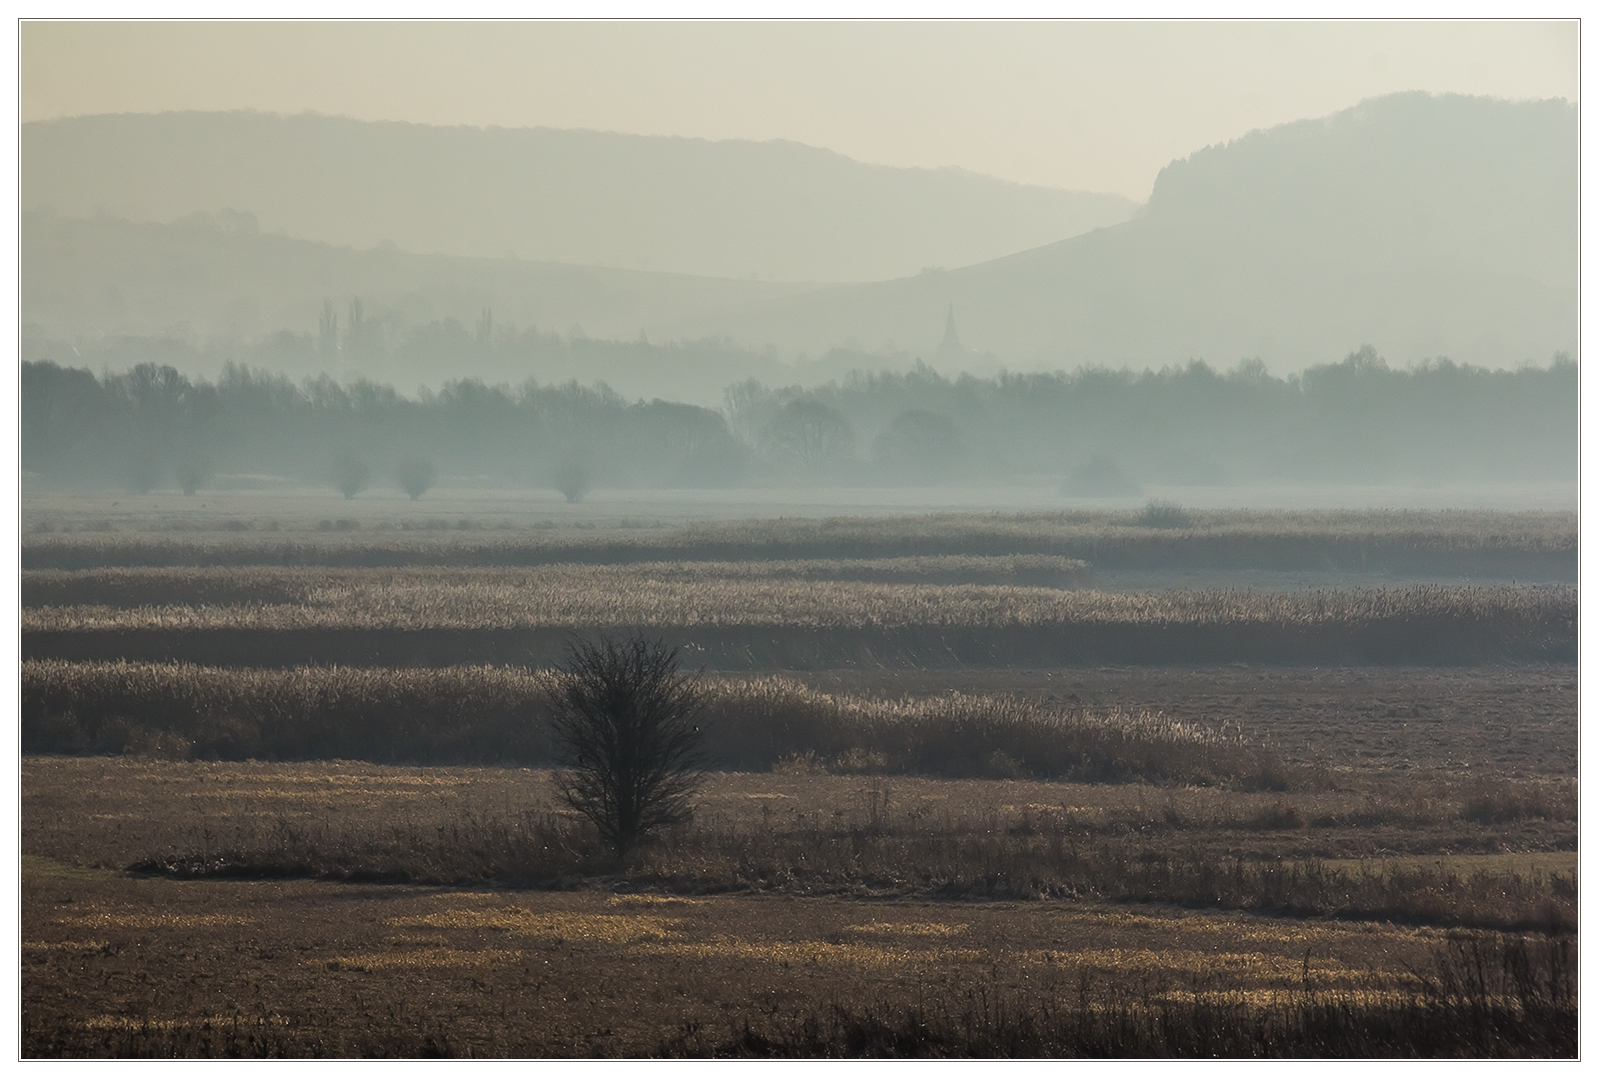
(732, 595)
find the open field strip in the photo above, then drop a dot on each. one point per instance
(406, 618)
(1530, 545)
(578, 596)
(803, 834)
(155, 586)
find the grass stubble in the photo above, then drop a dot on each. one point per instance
(340, 908)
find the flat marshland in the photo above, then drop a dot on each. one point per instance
(970, 794)
(1530, 546)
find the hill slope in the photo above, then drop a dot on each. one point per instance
(196, 293)
(1422, 225)
(728, 209)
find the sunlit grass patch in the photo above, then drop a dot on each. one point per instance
(139, 920)
(799, 953)
(217, 1021)
(1293, 997)
(650, 901)
(1234, 929)
(562, 925)
(1191, 963)
(924, 929)
(419, 958)
(313, 792)
(66, 946)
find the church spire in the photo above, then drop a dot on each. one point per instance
(951, 345)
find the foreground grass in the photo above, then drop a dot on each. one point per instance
(407, 911)
(800, 833)
(1482, 998)
(120, 966)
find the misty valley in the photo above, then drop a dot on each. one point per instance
(795, 607)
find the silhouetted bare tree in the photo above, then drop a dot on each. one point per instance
(625, 729)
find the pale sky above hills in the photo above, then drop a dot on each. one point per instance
(1091, 106)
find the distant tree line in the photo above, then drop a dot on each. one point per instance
(1098, 431)
(152, 426)
(1108, 432)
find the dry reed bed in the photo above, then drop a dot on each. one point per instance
(1531, 544)
(575, 596)
(148, 586)
(500, 715)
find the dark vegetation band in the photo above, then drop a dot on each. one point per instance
(1550, 638)
(1104, 432)
(487, 715)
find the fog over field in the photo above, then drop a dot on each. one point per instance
(1384, 295)
(799, 539)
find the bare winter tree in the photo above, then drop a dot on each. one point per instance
(625, 730)
(811, 434)
(572, 480)
(415, 475)
(351, 475)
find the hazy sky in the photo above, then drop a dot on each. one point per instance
(1096, 106)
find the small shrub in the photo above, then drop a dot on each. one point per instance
(1158, 514)
(1279, 815)
(999, 765)
(858, 761)
(1497, 802)
(806, 764)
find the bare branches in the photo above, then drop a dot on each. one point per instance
(625, 728)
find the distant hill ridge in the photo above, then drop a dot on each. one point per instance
(1425, 225)
(721, 208)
